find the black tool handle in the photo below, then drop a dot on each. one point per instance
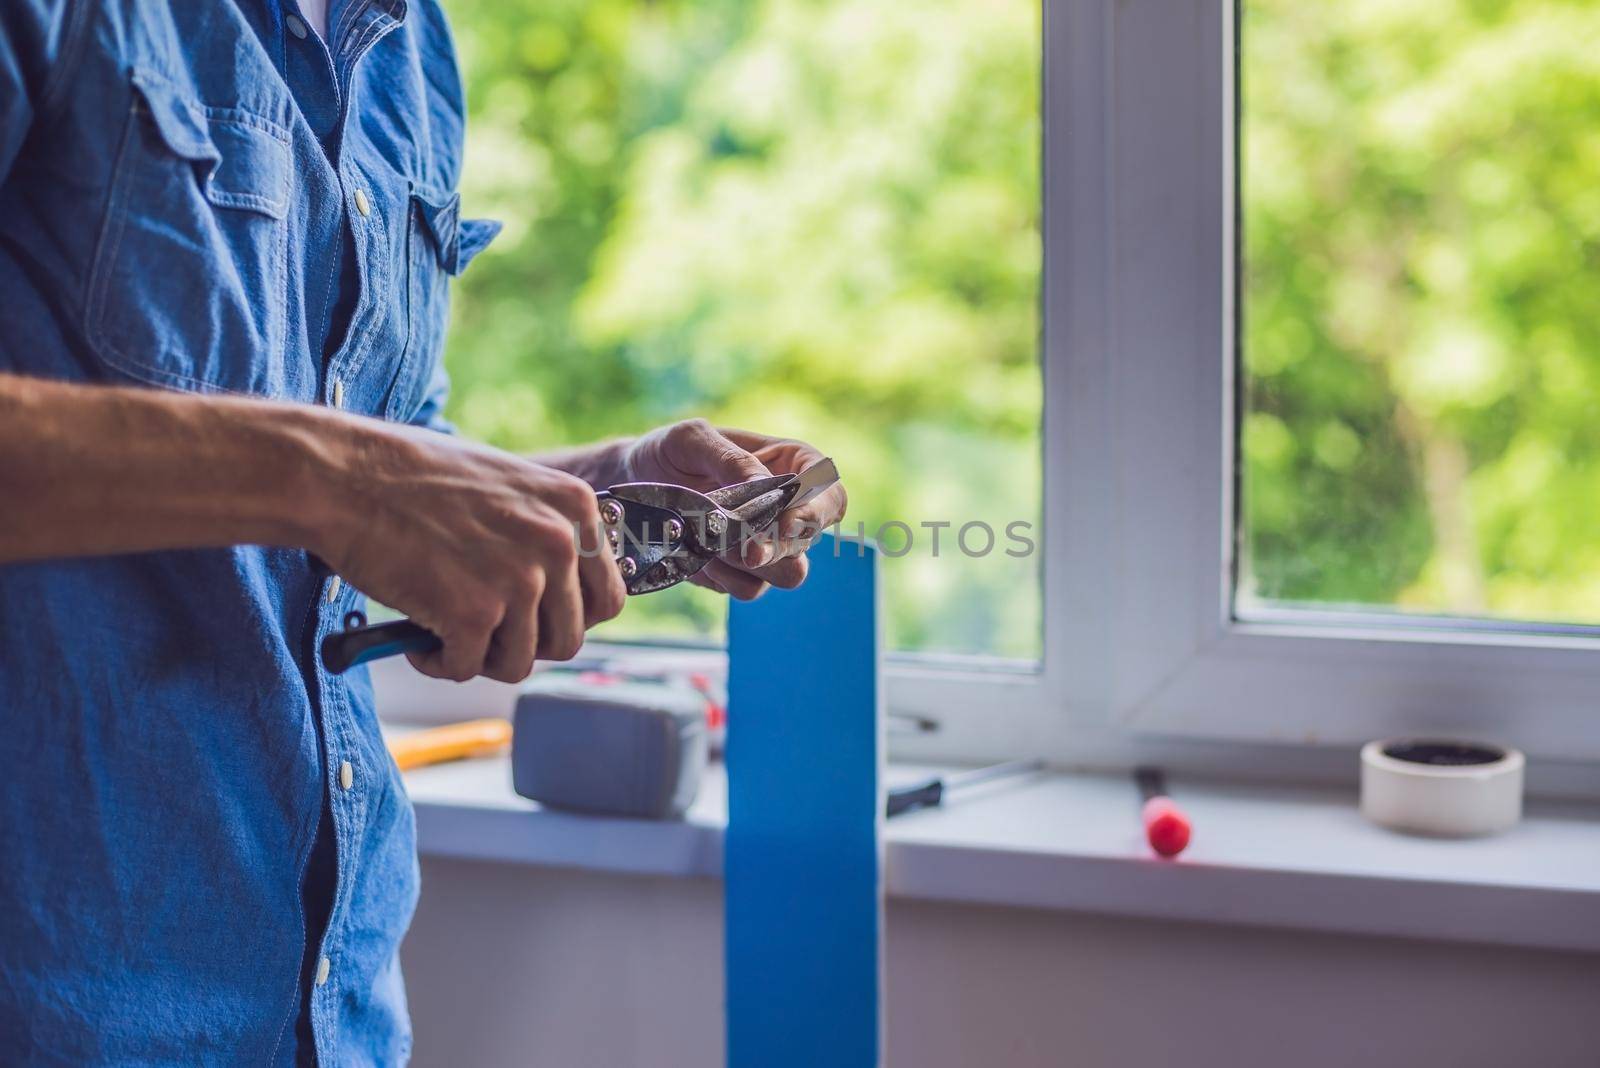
(931, 792)
(1152, 782)
(359, 642)
(926, 794)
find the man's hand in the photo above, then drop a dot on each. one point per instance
(480, 547)
(696, 454)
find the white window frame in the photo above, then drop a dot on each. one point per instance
(1142, 659)
(1142, 656)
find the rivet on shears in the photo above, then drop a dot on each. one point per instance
(716, 522)
(627, 566)
(610, 513)
(674, 530)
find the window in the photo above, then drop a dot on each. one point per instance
(818, 219)
(1319, 358)
(1148, 406)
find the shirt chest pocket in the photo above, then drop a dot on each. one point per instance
(188, 288)
(440, 244)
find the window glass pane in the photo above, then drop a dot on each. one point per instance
(1420, 336)
(810, 218)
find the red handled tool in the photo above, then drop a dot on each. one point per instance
(1166, 828)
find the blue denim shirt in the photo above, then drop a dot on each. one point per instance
(200, 195)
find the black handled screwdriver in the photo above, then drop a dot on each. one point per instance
(930, 792)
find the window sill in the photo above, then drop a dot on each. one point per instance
(1262, 856)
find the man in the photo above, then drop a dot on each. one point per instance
(226, 229)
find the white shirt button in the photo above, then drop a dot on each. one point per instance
(363, 205)
(295, 26)
(338, 393)
(334, 587)
(323, 966)
(347, 775)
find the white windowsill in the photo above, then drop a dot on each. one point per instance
(1262, 856)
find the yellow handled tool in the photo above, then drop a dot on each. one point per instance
(456, 741)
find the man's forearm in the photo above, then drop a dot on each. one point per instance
(91, 470)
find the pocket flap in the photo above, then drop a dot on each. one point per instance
(243, 160)
(455, 240)
(182, 124)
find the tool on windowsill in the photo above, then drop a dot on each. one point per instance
(932, 792)
(631, 748)
(659, 533)
(1166, 827)
(602, 743)
(456, 741)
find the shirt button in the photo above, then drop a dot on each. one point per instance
(338, 393)
(334, 587)
(347, 775)
(295, 26)
(363, 205)
(323, 966)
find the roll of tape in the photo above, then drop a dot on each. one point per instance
(1430, 786)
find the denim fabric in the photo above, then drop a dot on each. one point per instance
(182, 187)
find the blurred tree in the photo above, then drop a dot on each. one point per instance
(815, 218)
(822, 217)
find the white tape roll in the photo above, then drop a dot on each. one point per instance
(1430, 786)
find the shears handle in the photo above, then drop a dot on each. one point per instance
(361, 641)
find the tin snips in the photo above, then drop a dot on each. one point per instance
(662, 533)
(658, 532)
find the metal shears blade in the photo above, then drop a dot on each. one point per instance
(812, 481)
(662, 533)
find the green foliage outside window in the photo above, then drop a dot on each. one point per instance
(808, 218)
(821, 217)
(1422, 305)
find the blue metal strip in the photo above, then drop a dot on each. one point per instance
(803, 853)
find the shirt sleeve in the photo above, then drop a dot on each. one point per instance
(33, 43)
(431, 414)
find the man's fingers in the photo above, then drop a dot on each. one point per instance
(708, 456)
(736, 583)
(464, 643)
(797, 528)
(704, 581)
(789, 538)
(599, 577)
(561, 619)
(511, 651)
(430, 663)
(703, 456)
(787, 573)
